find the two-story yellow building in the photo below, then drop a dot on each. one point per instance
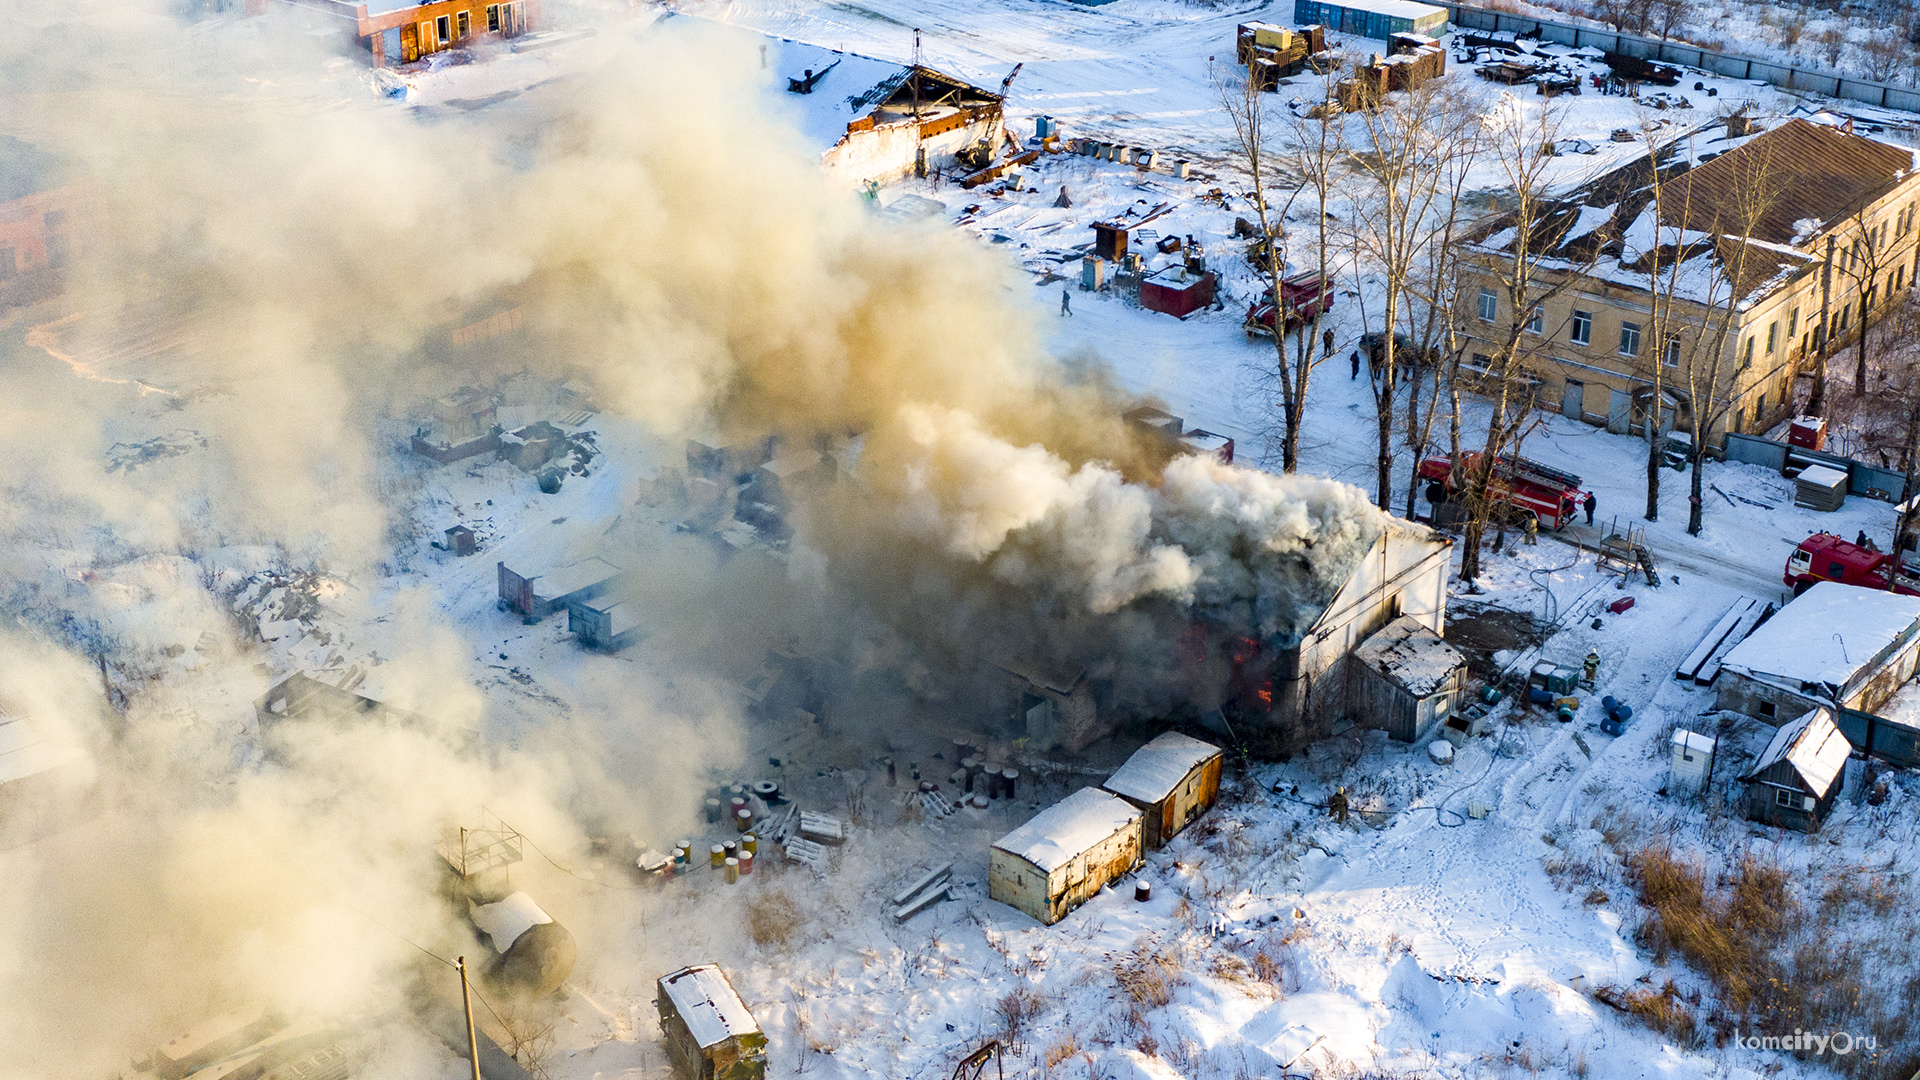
(1765, 243)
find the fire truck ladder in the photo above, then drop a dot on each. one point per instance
(1533, 472)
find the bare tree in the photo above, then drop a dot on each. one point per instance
(1413, 137)
(1317, 146)
(1435, 313)
(1519, 254)
(1871, 256)
(1711, 369)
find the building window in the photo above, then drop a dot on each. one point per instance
(493, 18)
(1536, 321)
(1789, 799)
(1746, 353)
(1773, 336)
(1673, 350)
(1489, 305)
(1793, 322)
(1766, 709)
(1846, 316)
(1760, 408)
(1629, 339)
(1582, 332)
(443, 29)
(464, 22)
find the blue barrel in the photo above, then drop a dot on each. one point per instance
(1539, 695)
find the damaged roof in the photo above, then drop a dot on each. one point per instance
(708, 1005)
(1411, 656)
(1060, 833)
(1733, 212)
(1814, 747)
(1157, 768)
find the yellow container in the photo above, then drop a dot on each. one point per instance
(717, 855)
(733, 871)
(750, 844)
(743, 820)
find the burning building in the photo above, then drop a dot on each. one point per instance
(879, 121)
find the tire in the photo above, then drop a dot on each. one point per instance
(1801, 586)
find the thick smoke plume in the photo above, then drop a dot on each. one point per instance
(269, 258)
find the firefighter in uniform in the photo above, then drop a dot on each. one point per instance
(1337, 805)
(1591, 666)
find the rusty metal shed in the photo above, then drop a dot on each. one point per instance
(1173, 780)
(1065, 854)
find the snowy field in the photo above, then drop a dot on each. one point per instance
(1458, 925)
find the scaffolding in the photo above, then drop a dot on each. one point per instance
(469, 851)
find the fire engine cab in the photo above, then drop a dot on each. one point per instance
(1826, 557)
(1552, 496)
(1302, 298)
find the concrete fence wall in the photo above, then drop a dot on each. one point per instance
(1862, 478)
(1726, 64)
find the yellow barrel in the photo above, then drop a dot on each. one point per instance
(750, 844)
(718, 855)
(733, 871)
(743, 820)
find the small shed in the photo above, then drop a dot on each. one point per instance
(1065, 854)
(1173, 780)
(1797, 778)
(1176, 291)
(604, 622)
(1405, 679)
(539, 594)
(1820, 487)
(1110, 240)
(1690, 768)
(710, 1033)
(461, 541)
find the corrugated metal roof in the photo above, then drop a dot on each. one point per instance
(1812, 745)
(1157, 768)
(707, 1003)
(1783, 176)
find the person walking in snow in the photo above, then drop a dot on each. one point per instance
(1356, 365)
(1337, 805)
(1066, 302)
(1588, 505)
(1326, 343)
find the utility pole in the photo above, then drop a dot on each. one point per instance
(466, 1002)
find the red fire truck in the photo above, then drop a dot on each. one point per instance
(1302, 298)
(1826, 557)
(1528, 487)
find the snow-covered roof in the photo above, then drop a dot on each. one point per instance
(1828, 634)
(1693, 740)
(1069, 827)
(707, 1004)
(1812, 745)
(1402, 9)
(26, 750)
(1822, 475)
(1412, 656)
(505, 921)
(852, 86)
(1157, 768)
(567, 580)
